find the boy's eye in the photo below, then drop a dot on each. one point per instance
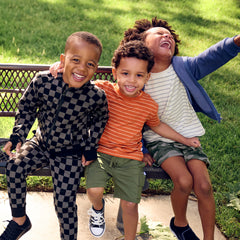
(125, 73)
(139, 75)
(75, 60)
(91, 65)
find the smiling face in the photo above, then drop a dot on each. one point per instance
(160, 41)
(80, 62)
(131, 75)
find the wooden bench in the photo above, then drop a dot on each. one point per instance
(14, 79)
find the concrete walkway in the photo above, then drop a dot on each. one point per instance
(157, 209)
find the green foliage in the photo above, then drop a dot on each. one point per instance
(6, 124)
(235, 201)
(144, 226)
(160, 186)
(154, 230)
(36, 183)
(35, 31)
(3, 182)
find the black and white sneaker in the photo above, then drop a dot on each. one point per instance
(97, 221)
(182, 233)
(14, 231)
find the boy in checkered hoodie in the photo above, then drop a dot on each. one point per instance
(72, 113)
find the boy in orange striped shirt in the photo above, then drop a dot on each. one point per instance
(119, 151)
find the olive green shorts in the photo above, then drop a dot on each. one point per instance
(127, 174)
(160, 151)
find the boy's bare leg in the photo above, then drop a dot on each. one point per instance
(130, 219)
(204, 193)
(183, 184)
(19, 220)
(95, 196)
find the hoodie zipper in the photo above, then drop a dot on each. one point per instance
(57, 112)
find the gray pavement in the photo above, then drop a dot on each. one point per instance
(40, 210)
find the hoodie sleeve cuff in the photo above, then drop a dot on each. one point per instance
(14, 139)
(90, 155)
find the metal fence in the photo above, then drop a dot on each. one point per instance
(14, 79)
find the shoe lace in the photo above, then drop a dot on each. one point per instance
(96, 218)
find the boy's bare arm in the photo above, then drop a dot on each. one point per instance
(165, 131)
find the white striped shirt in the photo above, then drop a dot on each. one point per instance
(174, 106)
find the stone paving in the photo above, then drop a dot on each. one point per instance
(156, 209)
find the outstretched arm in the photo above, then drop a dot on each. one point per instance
(165, 131)
(212, 58)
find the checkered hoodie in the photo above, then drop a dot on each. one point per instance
(70, 120)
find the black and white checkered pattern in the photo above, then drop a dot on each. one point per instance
(27, 160)
(71, 122)
(66, 179)
(65, 115)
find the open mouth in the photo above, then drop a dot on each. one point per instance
(166, 45)
(130, 88)
(78, 77)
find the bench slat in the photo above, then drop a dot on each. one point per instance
(151, 172)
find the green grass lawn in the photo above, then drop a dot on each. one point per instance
(35, 31)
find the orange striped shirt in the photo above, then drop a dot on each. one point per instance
(127, 115)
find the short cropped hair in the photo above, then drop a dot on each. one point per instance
(138, 32)
(135, 49)
(86, 36)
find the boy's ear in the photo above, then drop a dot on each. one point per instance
(147, 77)
(62, 59)
(114, 72)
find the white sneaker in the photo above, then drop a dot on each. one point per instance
(97, 221)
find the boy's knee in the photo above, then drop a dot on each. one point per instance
(184, 184)
(203, 189)
(13, 166)
(128, 207)
(95, 192)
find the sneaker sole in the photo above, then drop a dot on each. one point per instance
(174, 233)
(97, 236)
(26, 230)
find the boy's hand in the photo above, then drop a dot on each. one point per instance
(84, 162)
(56, 68)
(8, 146)
(237, 40)
(193, 142)
(147, 159)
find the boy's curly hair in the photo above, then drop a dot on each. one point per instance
(142, 25)
(136, 49)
